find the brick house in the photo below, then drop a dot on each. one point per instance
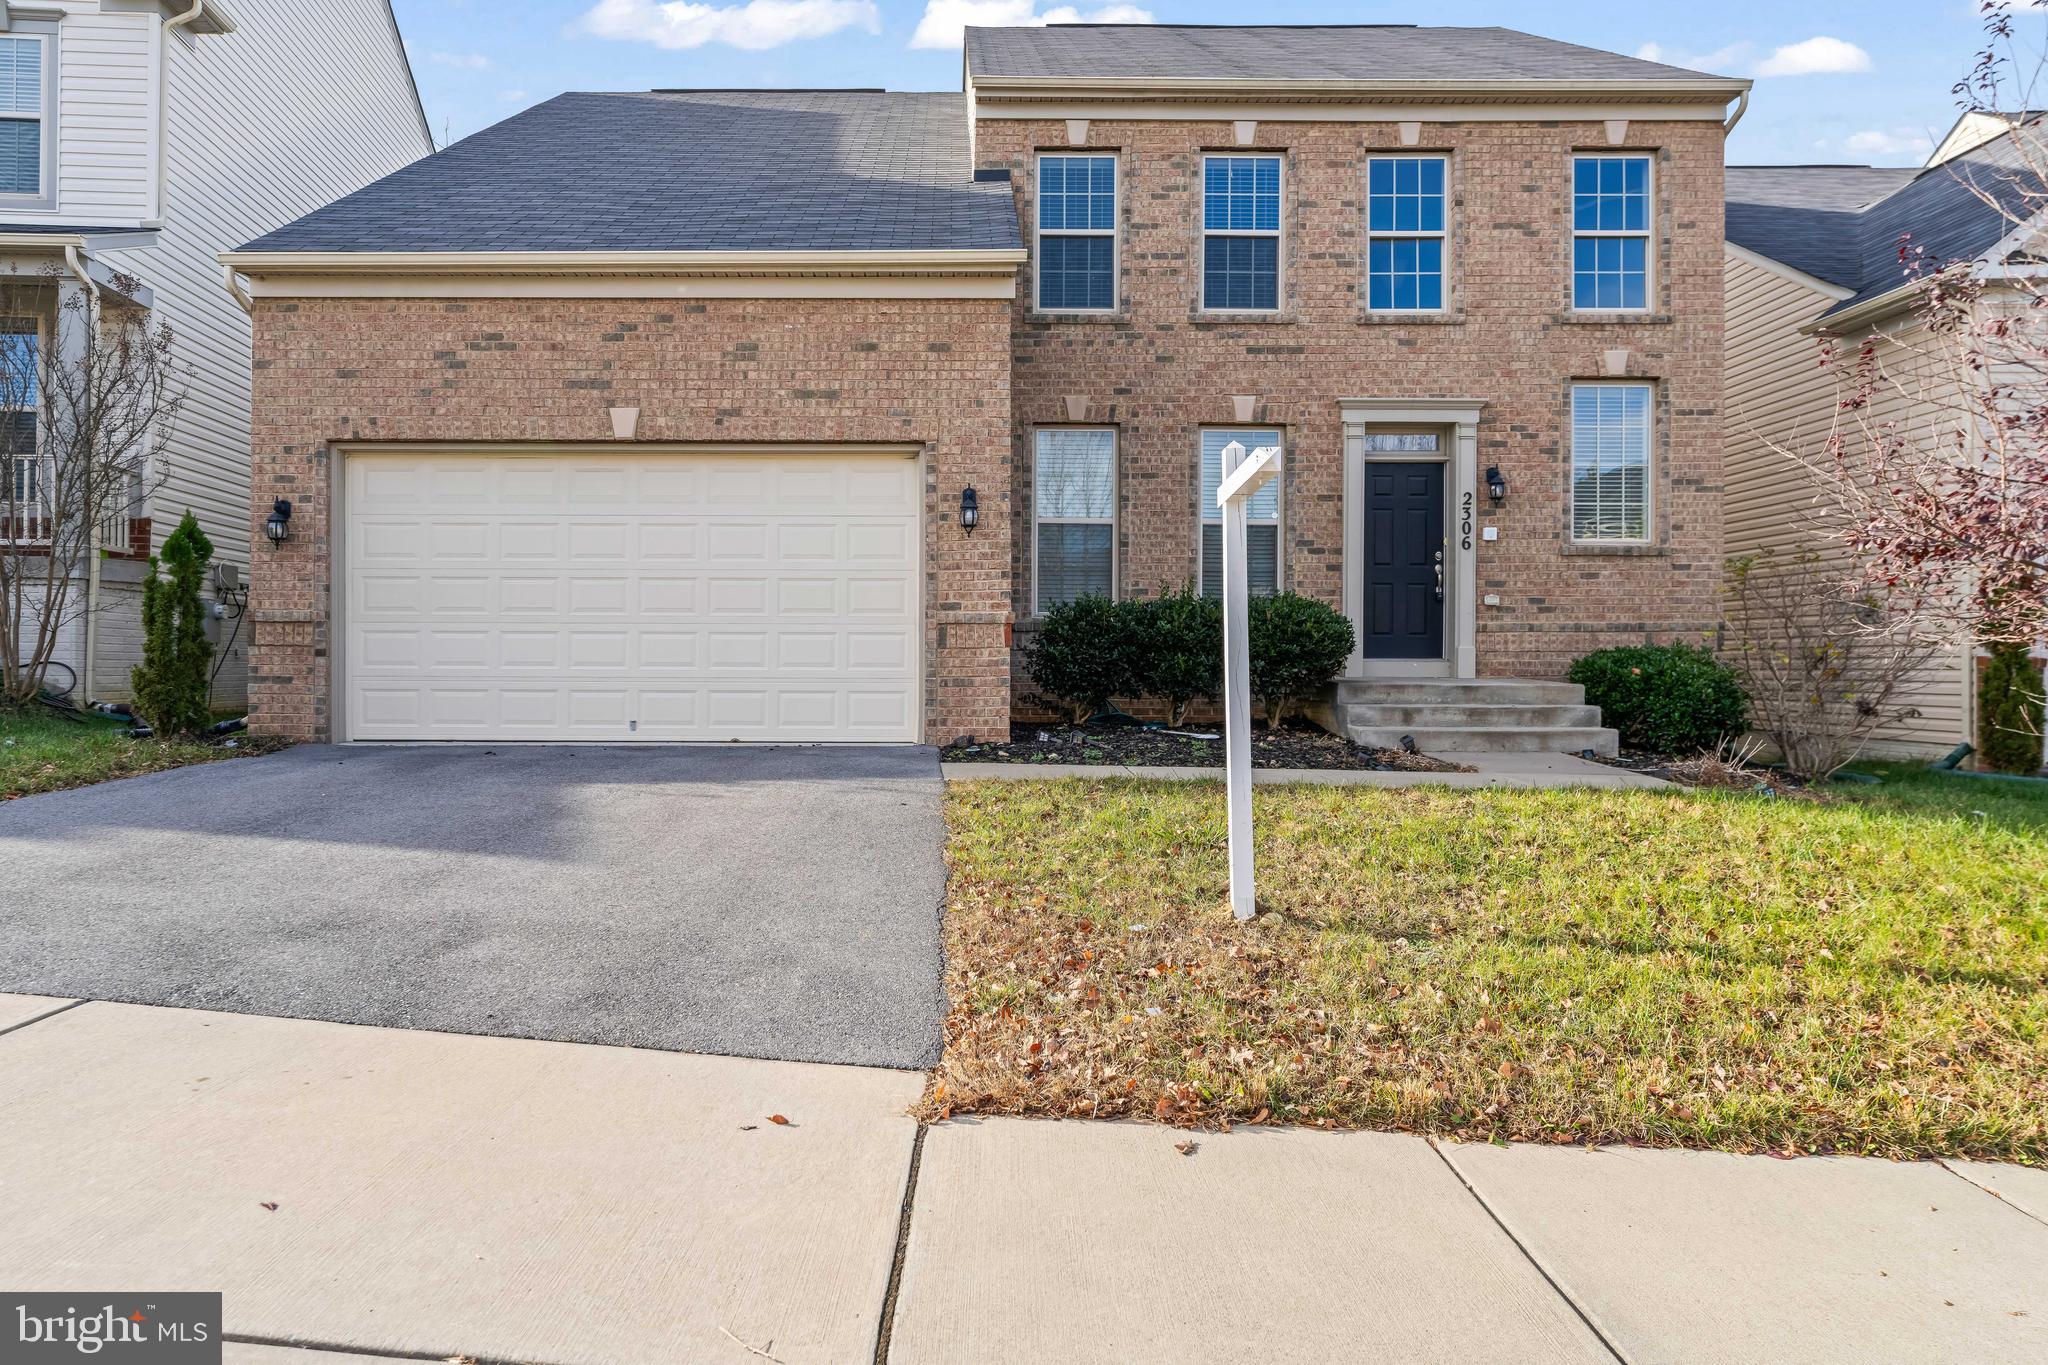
(653, 416)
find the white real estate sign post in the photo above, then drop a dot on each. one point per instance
(1242, 476)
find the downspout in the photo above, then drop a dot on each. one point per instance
(1741, 108)
(92, 531)
(241, 295)
(163, 82)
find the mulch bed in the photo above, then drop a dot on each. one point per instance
(1132, 745)
(1705, 770)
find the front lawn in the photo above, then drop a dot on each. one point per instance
(42, 752)
(1687, 968)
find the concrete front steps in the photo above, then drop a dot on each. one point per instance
(1467, 716)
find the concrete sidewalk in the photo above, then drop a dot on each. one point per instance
(438, 1195)
(1488, 770)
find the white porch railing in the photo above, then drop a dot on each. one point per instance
(26, 510)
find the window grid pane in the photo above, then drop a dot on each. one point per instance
(1074, 497)
(1611, 462)
(1077, 195)
(21, 76)
(1241, 194)
(1241, 273)
(21, 156)
(1405, 215)
(1262, 559)
(1611, 198)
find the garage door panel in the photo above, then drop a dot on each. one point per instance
(659, 598)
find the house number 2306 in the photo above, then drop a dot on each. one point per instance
(1465, 521)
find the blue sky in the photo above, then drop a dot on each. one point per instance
(1864, 82)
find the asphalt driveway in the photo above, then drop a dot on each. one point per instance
(762, 902)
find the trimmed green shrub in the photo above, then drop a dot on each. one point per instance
(2010, 711)
(1298, 645)
(1087, 652)
(1183, 650)
(1664, 699)
(172, 682)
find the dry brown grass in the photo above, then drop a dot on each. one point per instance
(1694, 969)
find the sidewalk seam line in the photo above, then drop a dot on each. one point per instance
(886, 1328)
(46, 1014)
(1986, 1189)
(333, 1348)
(1528, 1255)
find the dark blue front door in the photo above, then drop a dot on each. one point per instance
(1404, 560)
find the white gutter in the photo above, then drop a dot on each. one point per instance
(953, 262)
(1721, 87)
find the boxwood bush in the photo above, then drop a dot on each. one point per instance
(1183, 650)
(1664, 699)
(1298, 645)
(1087, 652)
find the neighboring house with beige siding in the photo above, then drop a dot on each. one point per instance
(140, 139)
(1813, 251)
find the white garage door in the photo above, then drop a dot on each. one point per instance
(631, 598)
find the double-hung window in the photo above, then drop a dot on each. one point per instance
(1077, 234)
(1611, 232)
(1611, 462)
(1404, 223)
(23, 112)
(1241, 233)
(1262, 516)
(1074, 508)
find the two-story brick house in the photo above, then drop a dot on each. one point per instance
(1469, 279)
(137, 139)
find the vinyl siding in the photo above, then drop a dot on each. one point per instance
(1779, 400)
(105, 115)
(261, 127)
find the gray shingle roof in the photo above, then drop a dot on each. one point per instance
(685, 171)
(1297, 52)
(1806, 216)
(1846, 224)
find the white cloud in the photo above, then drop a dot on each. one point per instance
(1821, 56)
(1720, 59)
(944, 19)
(1892, 142)
(511, 96)
(755, 25)
(467, 61)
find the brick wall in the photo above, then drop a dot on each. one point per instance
(933, 372)
(1159, 369)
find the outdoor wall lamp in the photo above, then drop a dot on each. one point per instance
(970, 509)
(278, 525)
(1496, 484)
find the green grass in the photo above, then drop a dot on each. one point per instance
(41, 752)
(1708, 969)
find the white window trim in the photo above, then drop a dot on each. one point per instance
(1208, 514)
(1648, 233)
(1442, 235)
(1571, 509)
(1036, 612)
(44, 34)
(1278, 234)
(1115, 235)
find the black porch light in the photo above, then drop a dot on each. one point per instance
(278, 524)
(1496, 484)
(970, 509)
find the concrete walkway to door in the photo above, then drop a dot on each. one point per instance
(379, 1195)
(776, 902)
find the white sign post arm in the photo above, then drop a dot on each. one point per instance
(1242, 477)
